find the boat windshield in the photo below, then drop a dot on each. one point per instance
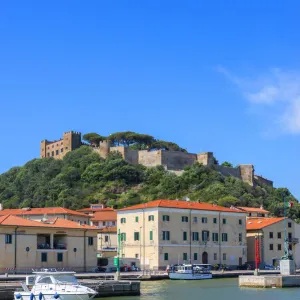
(65, 279)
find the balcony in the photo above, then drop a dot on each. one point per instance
(48, 242)
(293, 240)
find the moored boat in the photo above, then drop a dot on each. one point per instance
(54, 285)
(190, 272)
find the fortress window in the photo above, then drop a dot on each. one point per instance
(56, 152)
(62, 150)
(48, 154)
(66, 148)
(52, 153)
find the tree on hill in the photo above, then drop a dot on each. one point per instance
(93, 138)
(227, 164)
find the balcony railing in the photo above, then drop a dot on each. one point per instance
(58, 246)
(293, 240)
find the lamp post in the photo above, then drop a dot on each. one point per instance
(257, 255)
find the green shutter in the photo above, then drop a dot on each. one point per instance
(195, 256)
(151, 235)
(136, 219)
(166, 256)
(184, 235)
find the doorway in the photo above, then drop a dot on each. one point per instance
(204, 258)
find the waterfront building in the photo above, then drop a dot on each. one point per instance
(270, 234)
(107, 242)
(55, 243)
(166, 232)
(40, 214)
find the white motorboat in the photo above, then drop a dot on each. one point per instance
(48, 285)
(190, 272)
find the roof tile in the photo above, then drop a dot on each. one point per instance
(259, 223)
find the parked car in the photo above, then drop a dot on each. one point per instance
(244, 267)
(269, 267)
(100, 270)
(111, 269)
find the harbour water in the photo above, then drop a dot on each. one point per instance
(219, 289)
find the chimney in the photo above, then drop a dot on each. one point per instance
(1, 206)
(261, 207)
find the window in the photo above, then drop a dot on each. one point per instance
(60, 257)
(215, 256)
(136, 219)
(62, 150)
(185, 236)
(195, 220)
(106, 238)
(48, 154)
(90, 241)
(151, 218)
(279, 247)
(104, 223)
(279, 235)
(151, 235)
(289, 225)
(123, 237)
(8, 239)
(271, 247)
(184, 256)
(224, 256)
(166, 235)
(270, 235)
(215, 237)
(66, 148)
(46, 280)
(240, 222)
(204, 220)
(113, 223)
(123, 220)
(224, 237)
(195, 256)
(52, 153)
(136, 236)
(44, 257)
(166, 256)
(289, 235)
(166, 218)
(215, 220)
(240, 237)
(184, 219)
(290, 247)
(195, 236)
(136, 255)
(205, 235)
(56, 152)
(224, 221)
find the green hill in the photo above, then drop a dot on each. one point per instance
(82, 177)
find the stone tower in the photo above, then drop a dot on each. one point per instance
(206, 158)
(71, 140)
(104, 148)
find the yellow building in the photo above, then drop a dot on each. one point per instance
(55, 243)
(107, 242)
(166, 232)
(270, 234)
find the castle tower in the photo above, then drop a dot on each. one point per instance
(247, 173)
(206, 158)
(104, 148)
(71, 140)
(43, 149)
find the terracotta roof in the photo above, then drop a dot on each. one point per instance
(109, 229)
(105, 216)
(182, 205)
(253, 209)
(10, 220)
(41, 211)
(259, 223)
(95, 209)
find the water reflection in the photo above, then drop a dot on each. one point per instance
(221, 289)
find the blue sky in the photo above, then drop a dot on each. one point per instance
(221, 76)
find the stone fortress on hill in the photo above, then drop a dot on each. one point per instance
(173, 161)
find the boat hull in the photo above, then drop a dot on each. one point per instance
(46, 296)
(189, 276)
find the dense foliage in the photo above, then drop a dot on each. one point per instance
(82, 177)
(133, 140)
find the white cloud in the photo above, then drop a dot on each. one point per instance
(277, 93)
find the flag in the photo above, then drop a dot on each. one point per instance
(289, 204)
